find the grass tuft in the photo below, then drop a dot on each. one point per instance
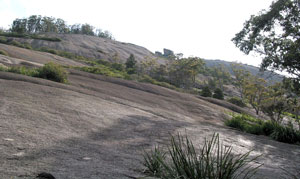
(212, 161)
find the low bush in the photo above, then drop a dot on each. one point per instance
(206, 92)
(268, 127)
(218, 94)
(286, 134)
(3, 39)
(103, 70)
(148, 79)
(50, 71)
(236, 122)
(237, 101)
(23, 71)
(249, 124)
(2, 52)
(54, 72)
(16, 43)
(212, 161)
(30, 36)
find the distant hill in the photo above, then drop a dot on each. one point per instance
(268, 75)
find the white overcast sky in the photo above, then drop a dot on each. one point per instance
(202, 28)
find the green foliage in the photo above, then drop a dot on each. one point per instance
(23, 71)
(2, 52)
(275, 103)
(249, 124)
(29, 36)
(218, 94)
(285, 134)
(3, 40)
(103, 70)
(237, 101)
(220, 74)
(152, 162)
(131, 64)
(206, 92)
(53, 72)
(148, 79)
(3, 68)
(50, 71)
(237, 123)
(37, 24)
(212, 161)
(15, 43)
(182, 72)
(118, 66)
(268, 127)
(255, 92)
(279, 48)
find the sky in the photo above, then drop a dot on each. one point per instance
(202, 28)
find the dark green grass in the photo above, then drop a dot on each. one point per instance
(249, 124)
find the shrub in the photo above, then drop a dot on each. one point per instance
(16, 43)
(268, 127)
(3, 68)
(255, 126)
(285, 134)
(212, 161)
(48, 50)
(118, 66)
(255, 129)
(218, 94)
(3, 40)
(23, 71)
(237, 101)
(206, 92)
(54, 72)
(246, 123)
(236, 122)
(2, 52)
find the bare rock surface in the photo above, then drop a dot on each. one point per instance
(98, 127)
(18, 55)
(92, 47)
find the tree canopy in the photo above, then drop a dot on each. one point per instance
(275, 35)
(38, 24)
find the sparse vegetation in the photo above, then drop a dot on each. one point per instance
(213, 161)
(2, 52)
(29, 36)
(237, 101)
(50, 71)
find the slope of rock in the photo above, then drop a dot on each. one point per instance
(92, 47)
(97, 127)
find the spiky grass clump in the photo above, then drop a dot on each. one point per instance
(152, 161)
(213, 161)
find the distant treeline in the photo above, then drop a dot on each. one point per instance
(41, 24)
